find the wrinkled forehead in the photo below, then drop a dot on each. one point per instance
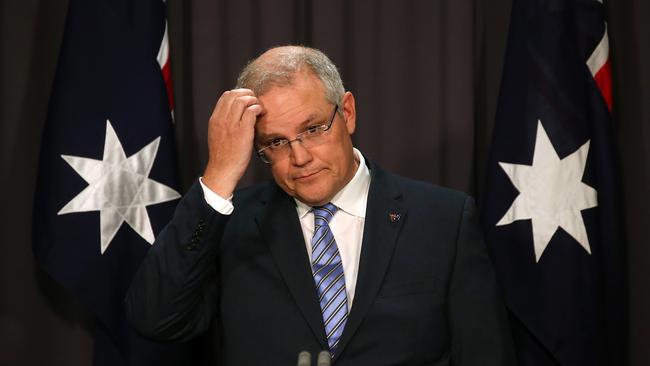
(291, 106)
(291, 123)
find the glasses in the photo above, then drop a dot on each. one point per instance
(279, 148)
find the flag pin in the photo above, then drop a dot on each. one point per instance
(394, 217)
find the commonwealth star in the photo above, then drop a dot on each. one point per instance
(119, 188)
(551, 193)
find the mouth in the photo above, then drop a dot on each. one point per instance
(307, 177)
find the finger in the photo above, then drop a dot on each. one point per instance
(225, 100)
(243, 91)
(233, 94)
(238, 106)
(250, 114)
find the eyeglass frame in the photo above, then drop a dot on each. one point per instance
(299, 137)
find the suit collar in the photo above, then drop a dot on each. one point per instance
(385, 215)
(279, 225)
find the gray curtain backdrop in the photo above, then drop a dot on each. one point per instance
(425, 75)
(411, 65)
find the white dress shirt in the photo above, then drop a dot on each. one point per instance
(346, 225)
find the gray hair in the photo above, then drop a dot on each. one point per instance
(278, 67)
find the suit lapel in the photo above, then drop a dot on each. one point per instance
(280, 227)
(385, 215)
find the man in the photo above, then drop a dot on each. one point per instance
(335, 255)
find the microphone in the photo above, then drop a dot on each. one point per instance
(324, 359)
(304, 358)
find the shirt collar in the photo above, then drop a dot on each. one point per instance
(353, 198)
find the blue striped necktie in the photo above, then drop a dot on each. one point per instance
(328, 275)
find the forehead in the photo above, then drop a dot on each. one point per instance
(288, 107)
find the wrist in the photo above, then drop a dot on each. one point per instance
(218, 183)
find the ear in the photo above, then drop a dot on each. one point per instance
(349, 112)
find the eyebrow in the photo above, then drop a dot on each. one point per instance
(308, 120)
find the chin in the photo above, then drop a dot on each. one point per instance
(312, 201)
(312, 198)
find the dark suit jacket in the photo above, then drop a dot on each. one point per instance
(425, 295)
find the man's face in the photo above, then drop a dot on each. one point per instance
(313, 175)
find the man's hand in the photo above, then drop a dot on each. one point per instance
(230, 140)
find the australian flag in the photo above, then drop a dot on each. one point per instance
(551, 214)
(107, 176)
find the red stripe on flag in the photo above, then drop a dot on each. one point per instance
(167, 76)
(604, 82)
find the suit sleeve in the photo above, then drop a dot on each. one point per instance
(174, 293)
(478, 320)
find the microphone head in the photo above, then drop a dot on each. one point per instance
(324, 359)
(304, 358)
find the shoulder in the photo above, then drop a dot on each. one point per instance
(417, 187)
(415, 192)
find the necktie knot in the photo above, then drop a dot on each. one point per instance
(323, 214)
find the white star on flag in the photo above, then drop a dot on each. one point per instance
(551, 193)
(119, 188)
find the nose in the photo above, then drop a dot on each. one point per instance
(299, 154)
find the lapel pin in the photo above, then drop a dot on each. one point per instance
(394, 217)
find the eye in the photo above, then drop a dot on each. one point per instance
(277, 143)
(313, 129)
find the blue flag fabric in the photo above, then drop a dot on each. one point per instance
(107, 176)
(550, 211)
